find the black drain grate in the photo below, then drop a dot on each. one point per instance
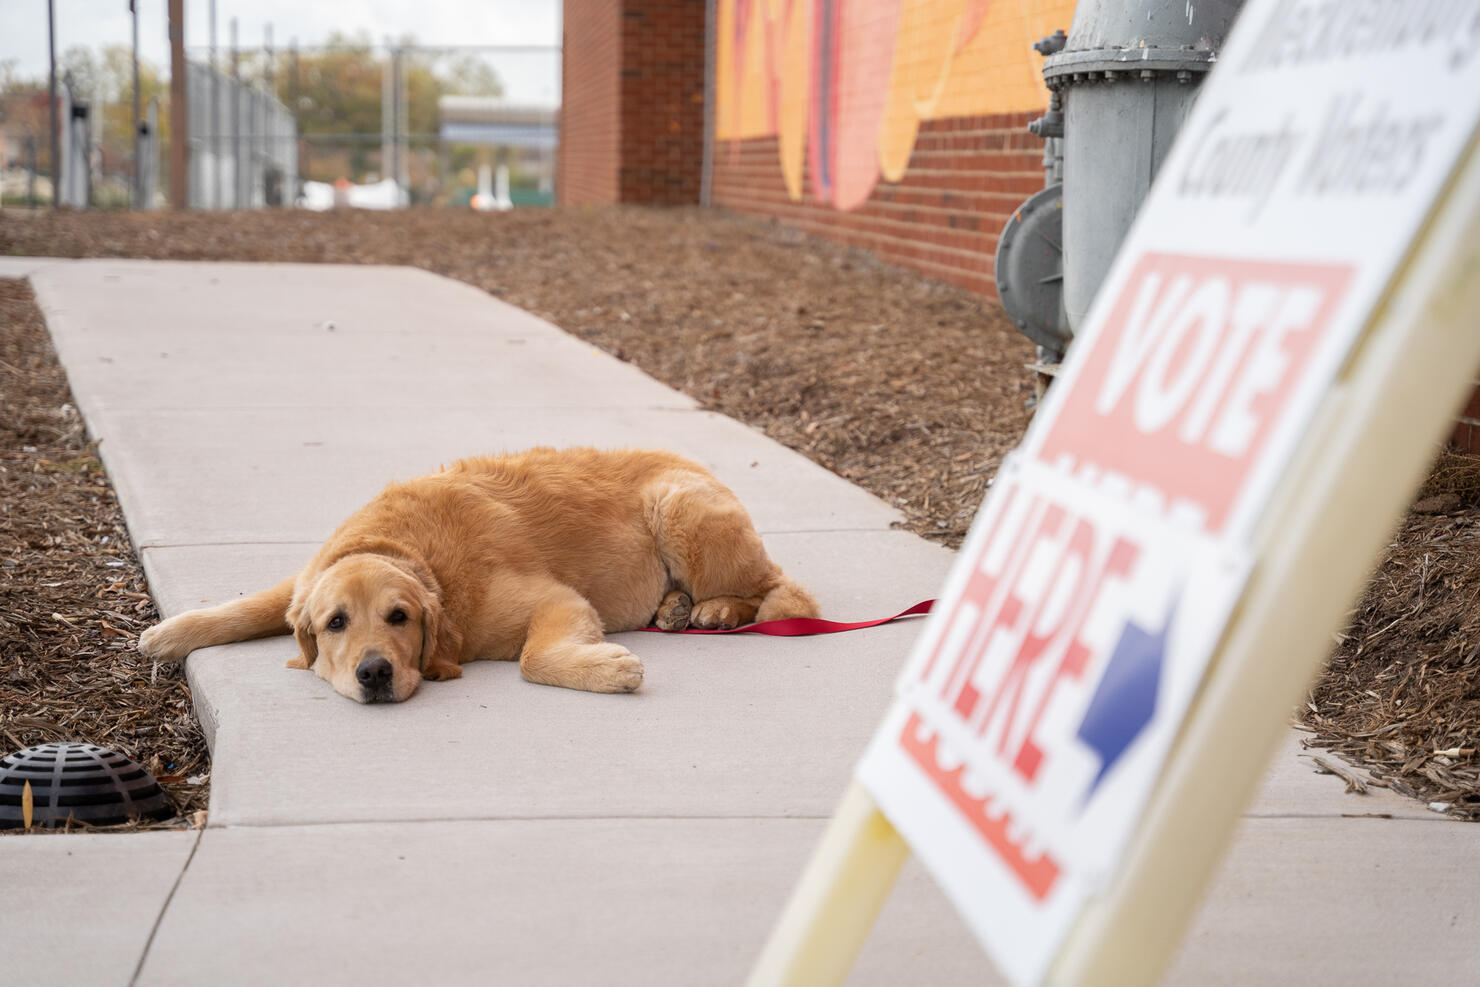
(82, 781)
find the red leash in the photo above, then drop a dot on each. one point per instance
(802, 626)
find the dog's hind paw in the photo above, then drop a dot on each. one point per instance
(673, 614)
(722, 613)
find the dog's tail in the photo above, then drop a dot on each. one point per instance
(785, 600)
(262, 614)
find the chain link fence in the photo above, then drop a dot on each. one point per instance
(449, 122)
(356, 123)
(381, 126)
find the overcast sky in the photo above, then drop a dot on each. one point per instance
(96, 23)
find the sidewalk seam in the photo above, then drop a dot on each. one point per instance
(738, 818)
(159, 919)
(1375, 814)
(777, 532)
(513, 819)
(211, 409)
(230, 544)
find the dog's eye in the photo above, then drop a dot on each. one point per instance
(336, 622)
(397, 616)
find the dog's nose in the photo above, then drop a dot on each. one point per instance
(373, 672)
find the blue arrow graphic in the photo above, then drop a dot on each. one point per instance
(1126, 698)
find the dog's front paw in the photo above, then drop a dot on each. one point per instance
(618, 671)
(439, 670)
(165, 642)
(603, 667)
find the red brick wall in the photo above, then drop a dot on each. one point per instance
(588, 161)
(965, 178)
(632, 131)
(662, 101)
(632, 124)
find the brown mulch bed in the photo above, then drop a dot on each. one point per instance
(1401, 695)
(911, 388)
(72, 594)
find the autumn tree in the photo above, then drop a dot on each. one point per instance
(339, 88)
(104, 80)
(334, 93)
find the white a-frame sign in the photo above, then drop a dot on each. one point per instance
(1154, 576)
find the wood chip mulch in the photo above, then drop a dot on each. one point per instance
(911, 388)
(1401, 695)
(72, 594)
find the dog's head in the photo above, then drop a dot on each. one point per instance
(369, 625)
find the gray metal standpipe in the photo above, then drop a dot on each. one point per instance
(1122, 82)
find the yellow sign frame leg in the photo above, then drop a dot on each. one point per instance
(1358, 464)
(834, 905)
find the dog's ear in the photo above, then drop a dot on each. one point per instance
(302, 623)
(441, 641)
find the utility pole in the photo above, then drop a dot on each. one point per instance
(214, 153)
(56, 137)
(138, 197)
(236, 121)
(269, 148)
(179, 124)
(387, 112)
(294, 94)
(271, 61)
(403, 124)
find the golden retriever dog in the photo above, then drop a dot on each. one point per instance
(532, 556)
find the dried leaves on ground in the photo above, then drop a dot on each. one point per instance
(911, 388)
(72, 595)
(1401, 695)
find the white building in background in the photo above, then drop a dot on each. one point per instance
(523, 138)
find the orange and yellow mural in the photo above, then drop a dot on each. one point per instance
(843, 85)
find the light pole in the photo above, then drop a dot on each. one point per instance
(56, 137)
(138, 197)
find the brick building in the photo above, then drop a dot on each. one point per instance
(633, 102)
(634, 116)
(913, 144)
(965, 177)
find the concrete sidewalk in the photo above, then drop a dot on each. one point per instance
(494, 831)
